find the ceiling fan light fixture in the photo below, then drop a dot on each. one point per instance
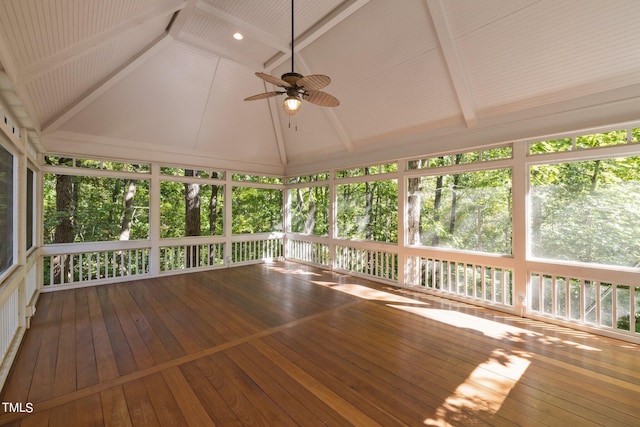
(297, 86)
(291, 105)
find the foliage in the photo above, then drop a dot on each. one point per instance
(256, 210)
(587, 211)
(368, 210)
(309, 209)
(582, 211)
(97, 210)
(470, 211)
(173, 210)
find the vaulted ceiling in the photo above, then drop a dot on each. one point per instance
(164, 80)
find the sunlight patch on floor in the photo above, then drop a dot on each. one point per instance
(298, 272)
(458, 319)
(561, 330)
(367, 293)
(484, 391)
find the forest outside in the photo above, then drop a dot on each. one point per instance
(586, 211)
(579, 211)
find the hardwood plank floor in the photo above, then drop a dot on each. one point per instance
(289, 345)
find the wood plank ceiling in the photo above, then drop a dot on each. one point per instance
(164, 80)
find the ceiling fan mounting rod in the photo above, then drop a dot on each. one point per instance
(296, 86)
(292, 50)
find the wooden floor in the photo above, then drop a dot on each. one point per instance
(288, 345)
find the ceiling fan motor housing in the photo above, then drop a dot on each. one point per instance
(291, 78)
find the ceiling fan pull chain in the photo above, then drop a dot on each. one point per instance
(295, 123)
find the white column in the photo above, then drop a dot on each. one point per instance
(227, 226)
(154, 220)
(333, 207)
(402, 232)
(286, 219)
(520, 195)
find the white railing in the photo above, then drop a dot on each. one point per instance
(31, 284)
(81, 264)
(255, 248)
(581, 300)
(9, 322)
(180, 257)
(368, 259)
(588, 297)
(310, 252)
(71, 265)
(471, 277)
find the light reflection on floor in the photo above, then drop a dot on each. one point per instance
(367, 293)
(484, 390)
(458, 319)
(297, 272)
(489, 384)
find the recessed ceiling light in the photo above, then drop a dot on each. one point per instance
(238, 36)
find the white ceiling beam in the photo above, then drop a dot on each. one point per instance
(219, 51)
(178, 22)
(245, 28)
(329, 112)
(155, 46)
(6, 61)
(332, 19)
(454, 64)
(277, 130)
(64, 56)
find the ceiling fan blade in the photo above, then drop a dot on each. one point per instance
(322, 98)
(273, 80)
(314, 81)
(263, 96)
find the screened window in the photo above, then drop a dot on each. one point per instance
(30, 204)
(586, 211)
(6, 209)
(368, 211)
(256, 210)
(309, 209)
(93, 209)
(467, 211)
(191, 209)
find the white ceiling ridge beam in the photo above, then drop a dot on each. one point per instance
(155, 46)
(6, 61)
(330, 114)
(64, 56)
(178, 22)
(454, 64)
(277, 129)
(198, 43)
(206, 105)
(333, 18)
(245, 28)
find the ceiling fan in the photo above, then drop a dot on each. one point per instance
(297, 87)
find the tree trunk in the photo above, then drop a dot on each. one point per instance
(594, 177)
(454, 204)
(414, 205)
(127, 215)
(191, 218)
(454, 198)
(310, 221)
(437, 204)
(64, 232)
(213, 209)
(128, 197)
(368, 207)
